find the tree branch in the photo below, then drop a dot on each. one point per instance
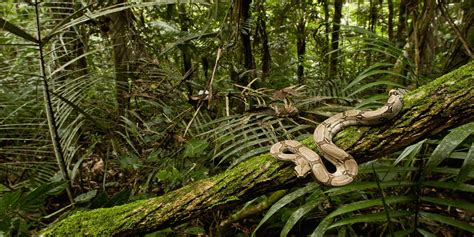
(442, 104)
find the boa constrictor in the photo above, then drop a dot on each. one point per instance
(307, 160)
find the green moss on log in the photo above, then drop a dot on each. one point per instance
(441, 104)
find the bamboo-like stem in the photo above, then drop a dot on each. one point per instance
(52, 127)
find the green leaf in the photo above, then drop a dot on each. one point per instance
(79, 110)
(375, 217)
(450, 202)
(195, 147)
(5, 25)
(367, 73)
(313, 200)
(447, 220)
(425, 233)
(9, 200)
(197, 230)
(325, 224)
(448, 144)
(410, 151)
(85, 197)
(310, 187)
(119, 198)
(467, 166)
(402, 233)
(360, 186)
(374, 84)
(372, 102)
(356, 206)
(35, 198)
(450, 185)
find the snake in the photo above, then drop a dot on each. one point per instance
(346, 168)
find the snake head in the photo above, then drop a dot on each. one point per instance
(302, 167)
(397, 92)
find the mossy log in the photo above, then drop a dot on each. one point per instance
(442, 104)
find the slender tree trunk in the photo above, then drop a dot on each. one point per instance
(120, 25)
(372, 15)
(445, 103)
(423, 37)
(266, 57)
(246, 42)
(261, 34)
(390, 20)
(301, 42)
(326, 20)
(335, 38)
(327, 30)
(185, 50)
(240, 23)
(401, 36)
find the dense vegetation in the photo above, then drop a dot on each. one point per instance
(104, 103)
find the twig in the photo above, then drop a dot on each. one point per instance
(218, 56)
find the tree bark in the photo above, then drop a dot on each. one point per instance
(335, 38)
(301, 44)
(423, 37)
(185, 48)
(261, 32)
(373, 16)
(246, 42)
(120, 31)
(442, 104)
(402, 23)
(390, 20)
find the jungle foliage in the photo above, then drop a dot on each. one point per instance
(107, 102)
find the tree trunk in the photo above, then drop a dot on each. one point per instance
(372, 15)
(301, 44)
(335, 38)
(185, 48)
(402, 23)
(261, 34)
(442, 104)
(390, 20)
(245, 34)
(325, 47)
(120, 24)
(423, 37)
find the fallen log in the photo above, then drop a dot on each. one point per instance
(441, 104)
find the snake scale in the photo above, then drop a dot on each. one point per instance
(306, 160)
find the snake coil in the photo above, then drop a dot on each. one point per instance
(306, 160)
